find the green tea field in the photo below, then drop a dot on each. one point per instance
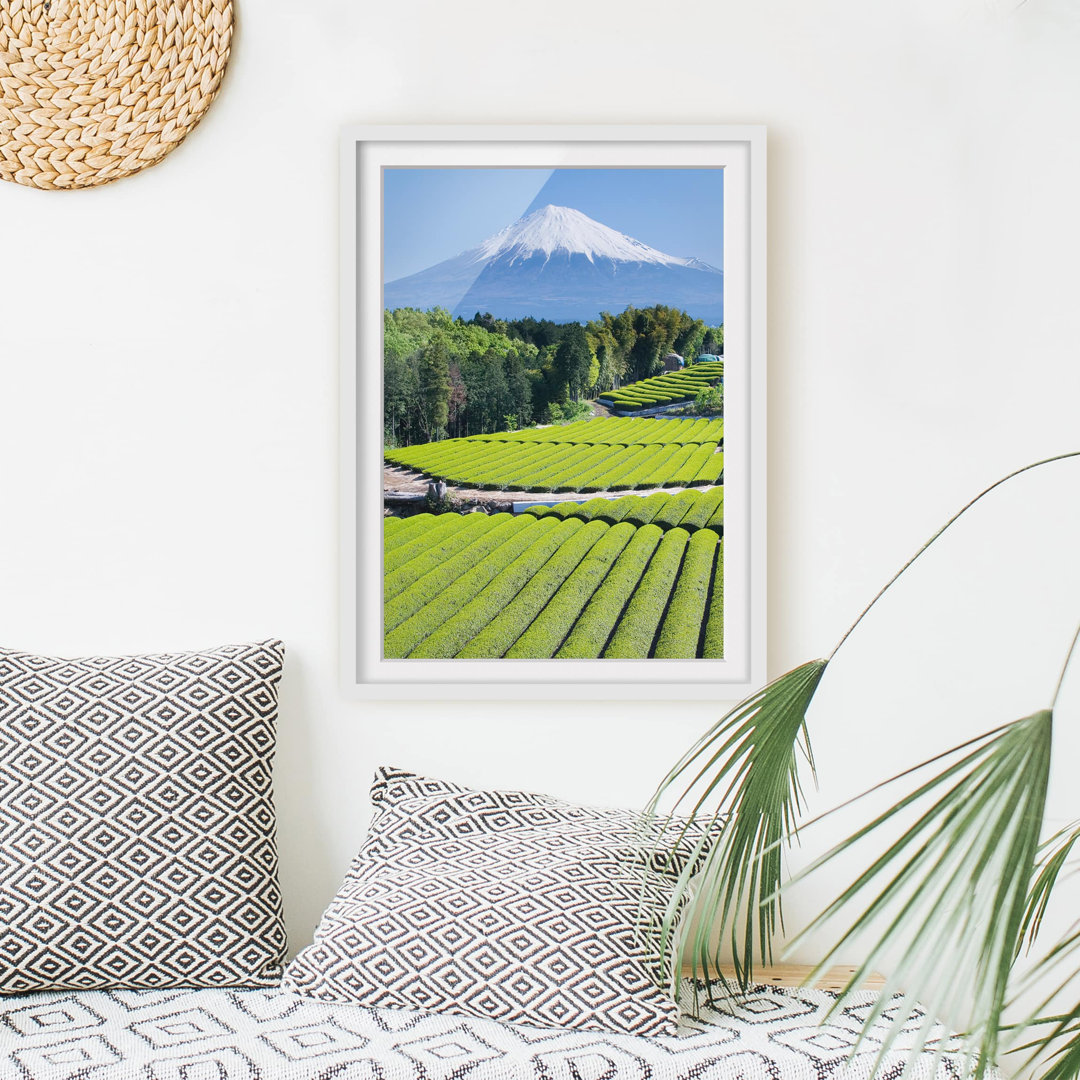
(669, 389)
(629, 578)
(589, 456)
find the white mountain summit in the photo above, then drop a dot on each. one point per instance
(560, 228)
(558, 263)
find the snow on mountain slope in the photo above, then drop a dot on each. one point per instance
(560, 264)
(560, 228)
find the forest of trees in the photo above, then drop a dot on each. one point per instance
(445, 377)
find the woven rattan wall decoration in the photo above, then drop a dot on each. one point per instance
(93, 90)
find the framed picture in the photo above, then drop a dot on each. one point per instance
(553, 412)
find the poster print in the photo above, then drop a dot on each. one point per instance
(554, 380)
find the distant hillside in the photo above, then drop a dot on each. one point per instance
(556, 263)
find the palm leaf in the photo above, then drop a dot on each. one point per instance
(745, 769)
(1064, 1062)
(962, 877)
(1056, 852)
(945, 907)
(1058, 1052)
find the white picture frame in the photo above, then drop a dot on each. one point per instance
(741, 152)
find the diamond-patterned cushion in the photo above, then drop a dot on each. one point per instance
(500, 904)
(137, 829)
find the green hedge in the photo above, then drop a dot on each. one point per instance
(526, 608)
(450, 627)
(441, 527)
(659, 469)
(590, 455)
(707, 510)
(712, 470)
(690, 469)
(437, 551)
(634, 635)
(716, 519)
(601, 510)
(583, 461)
(671, 388)
(406, 529)
(714, 629)
(538, 511)
(571, 581)
(554, 458)
(676, 508)
(543, 638)
(587, 479)
(612, 479)
(680, 633)
(565, 510)
(592, 630)
(705, 430)
(675, 464)
(690, 509)
(408, 618)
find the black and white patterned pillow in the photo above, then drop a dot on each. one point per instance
(137, 829)
(500, 904)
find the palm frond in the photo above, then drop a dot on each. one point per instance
(1064, 1062)
(1054, 857)
(744, 770)
(1057, 1053)
(949, 900)
(1064, 953)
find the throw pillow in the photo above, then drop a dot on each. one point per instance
(504, 905)
(137, 830)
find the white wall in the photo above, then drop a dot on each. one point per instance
(168, 403)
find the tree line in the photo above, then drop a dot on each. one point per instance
(444, 377)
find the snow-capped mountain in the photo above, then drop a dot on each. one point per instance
(557, 263)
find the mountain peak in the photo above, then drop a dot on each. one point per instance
(550, 229)
(557, 263)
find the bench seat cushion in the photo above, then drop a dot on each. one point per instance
(218, 1034)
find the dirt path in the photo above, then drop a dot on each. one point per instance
(407, 482)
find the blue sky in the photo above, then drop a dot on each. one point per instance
(434, 214)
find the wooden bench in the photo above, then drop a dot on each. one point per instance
(835, 978)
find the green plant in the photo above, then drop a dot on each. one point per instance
(960, 890)
(547, 633)
(454, 633)
(446, 525)
(588, 455)
(605, 608)
(452, 594)
(682, 624)
(710, 401)
(429, 548)
(525, 609)
(634, 636)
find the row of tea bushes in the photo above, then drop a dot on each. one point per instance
(690, 510)
(671, 388)
(609, 429)
(578, 457)
(639, 622)
(418, 582)
(535, 587)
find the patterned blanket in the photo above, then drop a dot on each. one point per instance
(773, 1034)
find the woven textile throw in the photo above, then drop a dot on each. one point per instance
(270, 1035)
(500, 904)
(93, 90)
(137, 830)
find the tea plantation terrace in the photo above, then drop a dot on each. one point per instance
(629, 578)
(673, 388)
(588, 456)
